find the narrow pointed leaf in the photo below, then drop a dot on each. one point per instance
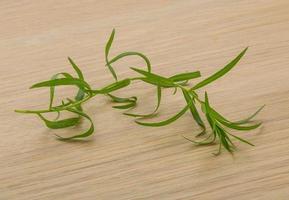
(80, 93)
(221, 72)
(207, 104)
(194, 111)
(122, 99)
(52, 88)
(125, 106)
(241, 139)
(84, 134)
(204, 141)
(238, 127)
(233, 125)
(62, 81)
(58, 124)
(107, 49)
(76, 68)
(112, 87)
(125, 54)
(159, 96)
(185, 76)
(155, 79)
(247, 120)
(244, 121)
(175, 90)
(166, 122)
(228, 142)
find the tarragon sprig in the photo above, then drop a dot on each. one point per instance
(219, 125)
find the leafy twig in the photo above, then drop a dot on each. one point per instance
(219, 124)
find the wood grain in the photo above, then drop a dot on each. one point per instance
(124, 160)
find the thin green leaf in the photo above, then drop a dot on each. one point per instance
(76, 68)
(122, 99)
(226, 141)
(159, 96)
(240, 128)
(109, 42)
(194, 112)
(185, 76)
(244, 121)
(155, 79)
(232, 125)
(226, 122)
(62, 81)
(60, 123)
(112, 87)
(125, 54)
(202, 142)
(84, 134)
(129, 102)
(168, 121)
(221, 72)
(219, 150)
(107, 49)
(126, 106)
(80, 93)
(247, 120)
(175, 90)
(241, 139)
(207, 109)
(52, 88)
(207, 104)
(78, 106)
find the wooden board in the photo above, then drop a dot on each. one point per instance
(125, 160)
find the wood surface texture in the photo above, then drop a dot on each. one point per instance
(124, 160)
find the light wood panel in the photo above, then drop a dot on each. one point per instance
(124, 160)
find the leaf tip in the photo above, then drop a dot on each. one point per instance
(32, 87)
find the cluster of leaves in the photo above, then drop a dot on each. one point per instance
(219, 125)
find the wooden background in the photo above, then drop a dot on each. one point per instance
(124, 160)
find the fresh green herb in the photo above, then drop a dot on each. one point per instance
(159, 97)
(219, 125)
(222, 72)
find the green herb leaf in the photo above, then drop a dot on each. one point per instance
(125, 54)
(130, 102)
(159, 96)
(194, 111)
(122, 99)
(76, 68)
(112, 87)
(80, 93)
(220, 73)
(240, 128)
(155, 79)
(247, 120)
(84, 134)
(217, 122)
(60, 123)
(52, 88)
(185, 76)
(62, 81)
(107, 49)
(204, 141)
(168, 121)
(233, 125)
(241, 139)
(126, 106)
